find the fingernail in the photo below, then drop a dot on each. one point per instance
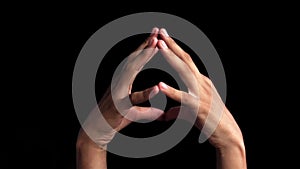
(164, 32)
(163, 44)
(163, 85)
(154, 30)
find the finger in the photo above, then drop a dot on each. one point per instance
(132, 68)
(171, 114)
(172, 44)
(142, 96)
(180, 112)
(177, 95)
(185, 72)
(171, 57)
(147, 42)
(178, 51)
(146, 54)
(143, 113)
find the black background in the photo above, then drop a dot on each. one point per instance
(44, 42)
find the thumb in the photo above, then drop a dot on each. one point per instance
(137, 113)
(174, 94)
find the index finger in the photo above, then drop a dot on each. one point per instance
(133, 67)
(187, 75)
(146, 43)
(178, 51)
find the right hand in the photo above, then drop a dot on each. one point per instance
(213, 117)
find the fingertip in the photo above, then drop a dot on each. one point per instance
(154, 91)
(163, 86)
(163, 32)
(154, 31)
(155, 88)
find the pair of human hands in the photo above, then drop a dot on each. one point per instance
(118, 105)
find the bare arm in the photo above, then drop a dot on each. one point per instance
(89, 154)
(233, 156)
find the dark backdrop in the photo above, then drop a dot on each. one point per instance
(45, 43)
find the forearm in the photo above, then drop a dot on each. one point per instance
(89, 154)
(232, 157)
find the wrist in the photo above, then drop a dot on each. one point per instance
(88, 153)
(84, 141)
(233, 156)
(236, 148)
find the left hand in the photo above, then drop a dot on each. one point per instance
(117, 105)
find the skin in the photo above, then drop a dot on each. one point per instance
(202, 99)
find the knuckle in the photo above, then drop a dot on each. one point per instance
(187, 56)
